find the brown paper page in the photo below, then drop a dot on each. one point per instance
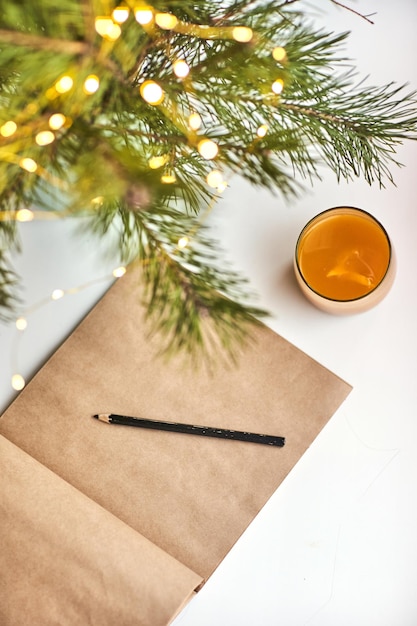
(191, 496)
(65, 560)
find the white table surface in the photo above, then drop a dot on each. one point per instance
(336, 545)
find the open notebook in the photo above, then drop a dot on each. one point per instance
(110, 525)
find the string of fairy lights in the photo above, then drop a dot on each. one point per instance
(18, 381)
(110, 29)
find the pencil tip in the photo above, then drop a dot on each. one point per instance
(103, 417)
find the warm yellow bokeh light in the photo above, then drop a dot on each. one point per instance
(214, 178)
(51, 93)
(151, 92)
(18, 382)
(183, 242)
(167, 21)
(242, 34)
(97, 201)
(278, 86)
(208, 148)
(8, 129)
(114, 33)
(21, 323)
(64, 84)
(57, 294)
(279, 54)
(181, 68)
(28, 164)
(156, 162)
(91, 84)
(118, 272)
(44, 138)
(194, 121)
(168, 179)
(144, 15)
(56, 121)
(103, 25)
(120, 14)
(24, 215)
(262, 130)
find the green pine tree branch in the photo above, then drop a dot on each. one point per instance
(194, 300)
(100, 158)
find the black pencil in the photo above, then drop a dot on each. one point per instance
(206, 431)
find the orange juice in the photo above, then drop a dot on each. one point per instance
(343, 254)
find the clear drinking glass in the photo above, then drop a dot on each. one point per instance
(344, 261)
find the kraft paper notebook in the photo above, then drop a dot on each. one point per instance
(104, 524)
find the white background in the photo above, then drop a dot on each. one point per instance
(337, 543)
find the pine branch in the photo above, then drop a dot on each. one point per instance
(344, 6)
(8, 286)
(192, 298)
(103, 155)
(35, 42)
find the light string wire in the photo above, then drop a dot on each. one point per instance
(21, 322)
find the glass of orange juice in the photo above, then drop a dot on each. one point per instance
(344, 261)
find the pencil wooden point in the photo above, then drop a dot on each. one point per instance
(103, 417)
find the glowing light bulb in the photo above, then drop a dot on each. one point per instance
(8, 129)
(168, 179)
(51, 93)
(24, 215)
(118, 272)
(194, 121)
(183, 242)
(144, 15)
(279, 54)
(103, 25)
(262, 130)
(278, 86)
(242, 34)
(21, 323)
(28, 164)
(91, 84)
(214, 178)
(208, 149)
(18, 382)
(44, 138)
(57, 294)
(114, 33)
(120, 14)
(56, 121)
(181, 68)
(64, 84)
(157, 161)
(97, 201)
(166, 21)
(106, 28)
(151, 92)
